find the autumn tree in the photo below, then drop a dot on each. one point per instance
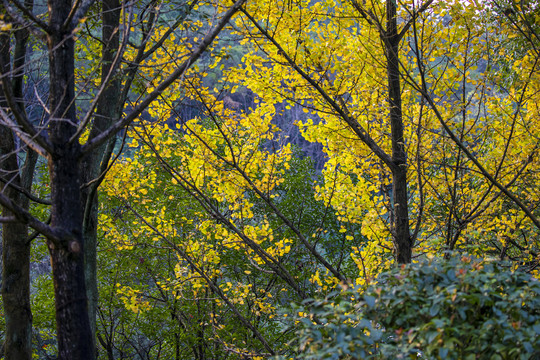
(426, 113)
(58, 139)
(328, 85)
(461, 106)
(485, 120)
(237, 254)
(255, 236)
(449, 90)
(467, 117)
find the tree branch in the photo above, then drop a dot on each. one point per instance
(26, 193)
(415, 14)
(342, 112)
(422, 89)
(27, 13)
(233, 164)
(180, 71)
(211, 208)
(215, 288)
(78, 12)
(27, 139)
(25, 217)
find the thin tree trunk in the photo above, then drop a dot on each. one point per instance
(107, 111)
(402, 238)
(16, 248)
(16, 261)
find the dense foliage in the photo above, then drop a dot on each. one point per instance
(462, 308)
(312, 144)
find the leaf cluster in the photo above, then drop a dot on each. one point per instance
(461, 308)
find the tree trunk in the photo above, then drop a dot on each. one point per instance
(16, 261)
(75, 340)
(108, 111)
(72, 323)
(16, 248)
(401, 232)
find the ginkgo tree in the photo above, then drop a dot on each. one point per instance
(426, 112)
(240, 247)
(313, 61)
(464, 136)
(420, 109)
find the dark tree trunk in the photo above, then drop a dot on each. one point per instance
(16, 260)
(74, 335)
(402, 238)
(73, 327)
(16, 248)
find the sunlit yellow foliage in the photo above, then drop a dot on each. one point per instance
(132, 298)
(223, 156)
(331, 43)
(223, 161)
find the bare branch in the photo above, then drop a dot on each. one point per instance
(22, 120)
(40, 100)
(26, 193)
(208, 39)
(26, 12)
(25, 217)
(27, 139)
(78, 12)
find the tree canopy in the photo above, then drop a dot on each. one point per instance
(175, 175)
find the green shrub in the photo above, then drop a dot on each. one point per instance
(446, 309)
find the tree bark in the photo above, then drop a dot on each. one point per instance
(107, 111)
(75, 340)
(401, 231)
(16, 248)
(73, 326)
(16, 260)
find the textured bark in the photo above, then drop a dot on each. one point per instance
(16, 261)
(402, 238)
(16, 248)
(73, 327)
(107, 111)
(72, 324)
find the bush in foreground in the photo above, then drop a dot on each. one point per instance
(461, 308)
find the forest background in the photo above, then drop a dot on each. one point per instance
(175, 174)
